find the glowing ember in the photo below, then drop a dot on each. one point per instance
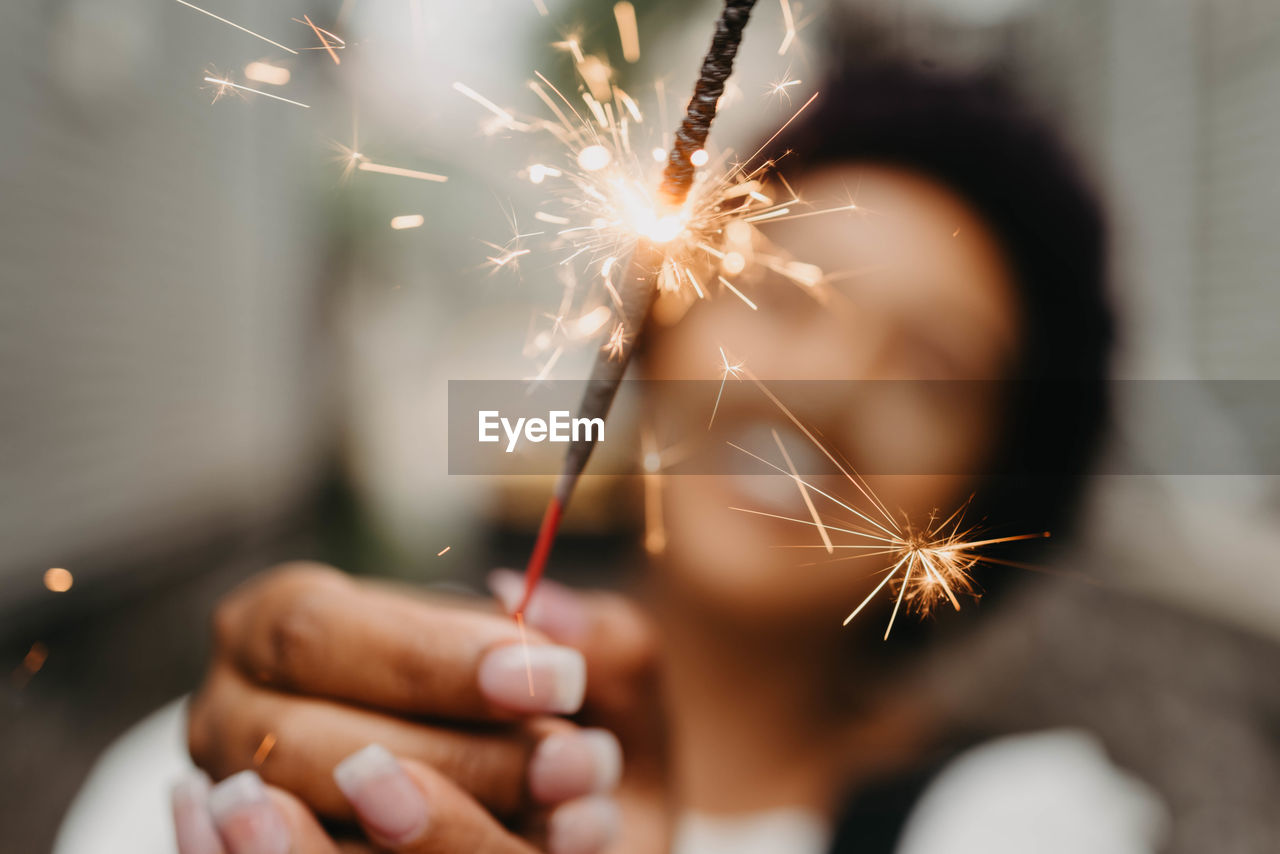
(58, 580)
(593, 158)
(407, 221)
(628, 33)
(264, 748)
(265, 72)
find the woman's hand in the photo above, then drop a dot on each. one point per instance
(312, 666)
(402, 806)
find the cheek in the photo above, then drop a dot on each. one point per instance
(755, 568)
(943, 430)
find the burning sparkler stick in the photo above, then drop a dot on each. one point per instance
(639, 288)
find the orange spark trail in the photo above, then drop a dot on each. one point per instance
(324, 41)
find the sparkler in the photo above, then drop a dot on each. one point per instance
(928, 565)
(653, 223)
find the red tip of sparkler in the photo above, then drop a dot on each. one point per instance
(541, 550)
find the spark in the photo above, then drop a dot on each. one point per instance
(782, 86)
(655, 531)
(58, 580)
(400, 223)
(540, 172)
(592, 322)
(502, 114)
(739, 294)
(789, 22)
(222, 83)
(237, 26)
(628, 32)
(524, 642)
(442, 552)
(383, 169)
(324, 41)
(505, 257)
(617, 343)
(601, 184)
(804, 493)
(730, 370)
(264, 748)
(930, 564)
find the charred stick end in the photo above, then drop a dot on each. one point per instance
(716, 68)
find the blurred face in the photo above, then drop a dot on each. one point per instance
(920, 290)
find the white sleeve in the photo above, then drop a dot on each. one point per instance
(123, 806)
(1050, 792)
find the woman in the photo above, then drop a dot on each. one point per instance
(749, 718)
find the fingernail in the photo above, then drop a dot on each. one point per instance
(584, 826)
(571, 764)
(245, 817)
(538, 678)
(554, 608)
(192, 823)
(386, 800)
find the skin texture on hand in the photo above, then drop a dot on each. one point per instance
(312, 667)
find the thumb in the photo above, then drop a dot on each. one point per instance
(613, 634)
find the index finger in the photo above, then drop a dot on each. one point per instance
(313, 630)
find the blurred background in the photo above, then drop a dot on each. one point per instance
(216, 353)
